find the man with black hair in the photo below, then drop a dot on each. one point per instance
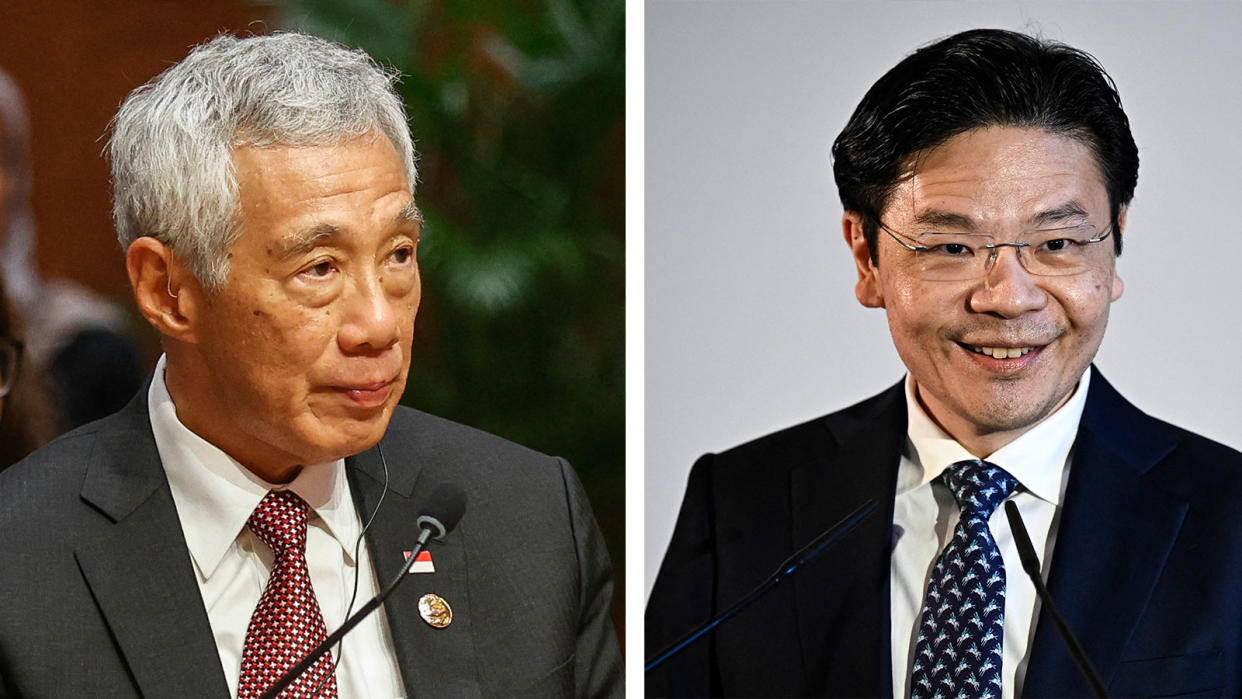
(985, 181)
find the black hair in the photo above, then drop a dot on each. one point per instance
(974, 79)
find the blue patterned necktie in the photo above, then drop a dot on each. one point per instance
(958, 652)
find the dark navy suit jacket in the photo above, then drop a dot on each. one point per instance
(1147, 565)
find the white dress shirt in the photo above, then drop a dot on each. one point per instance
(215, 496)
(926, 515)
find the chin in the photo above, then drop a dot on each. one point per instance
(330, 432)
(1007, 412)
(360, 437)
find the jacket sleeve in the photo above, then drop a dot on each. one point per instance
(597, 660)
(684, 596)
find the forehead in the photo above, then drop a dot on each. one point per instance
(999, 173)
(284, 189)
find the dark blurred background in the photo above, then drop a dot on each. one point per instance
(517, 110)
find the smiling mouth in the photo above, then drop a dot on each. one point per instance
(999, 352)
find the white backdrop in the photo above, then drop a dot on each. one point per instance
(751, 323)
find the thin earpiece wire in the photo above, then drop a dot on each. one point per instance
(357, 567)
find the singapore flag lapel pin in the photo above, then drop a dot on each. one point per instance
(422, 564)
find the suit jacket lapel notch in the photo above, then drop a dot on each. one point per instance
(433, 662)
(1116, 531)
(138, 567)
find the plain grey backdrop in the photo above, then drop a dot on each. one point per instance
(751, 322)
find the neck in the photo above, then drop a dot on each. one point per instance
(192, 396)
(979, 440)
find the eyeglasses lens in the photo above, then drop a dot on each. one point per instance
(954, 257)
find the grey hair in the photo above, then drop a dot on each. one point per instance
(173, 138)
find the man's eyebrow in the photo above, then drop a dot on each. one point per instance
(934, 218)
(410, 213)
(1061, 214)
(303, 241)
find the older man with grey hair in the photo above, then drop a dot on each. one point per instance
(266, 483)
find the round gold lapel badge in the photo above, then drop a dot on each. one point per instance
(435, 610)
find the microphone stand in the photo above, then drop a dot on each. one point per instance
(1030, 564)
(786, 568)
(294, 672)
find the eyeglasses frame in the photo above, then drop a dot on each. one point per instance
(993, 247)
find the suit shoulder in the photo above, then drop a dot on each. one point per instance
(1185, 464)
(1205, 446)
(1137, 435)
(465, 452)
(813, 438)
(51, 473)
(411, 426)
(130, 425)
(41, 496)
(808, 435)
(1201, 464)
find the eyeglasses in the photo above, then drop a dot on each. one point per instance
(10, 360)
(1051, 252)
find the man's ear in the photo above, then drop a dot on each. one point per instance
(868, 289)
(165, 291)
(1118, 285)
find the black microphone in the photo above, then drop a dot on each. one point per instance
(1030, 563)
(788, 567)
(443, 511)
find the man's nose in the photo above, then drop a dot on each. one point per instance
(370, 323)
(1007, 289)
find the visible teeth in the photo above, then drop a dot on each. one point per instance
(1002, 352)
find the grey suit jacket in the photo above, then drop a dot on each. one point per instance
(98, 596)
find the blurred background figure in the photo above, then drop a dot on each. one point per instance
(25, 422)
(74, 338)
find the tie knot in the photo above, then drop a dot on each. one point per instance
(280, 521)
(978, 486)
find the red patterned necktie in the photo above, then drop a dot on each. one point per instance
(286, 625)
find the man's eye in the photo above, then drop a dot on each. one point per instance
(1058, 244)
(952, 249)
(321, 269)
(403, 255)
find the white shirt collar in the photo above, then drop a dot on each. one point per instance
(215, 494)
(1036, 459)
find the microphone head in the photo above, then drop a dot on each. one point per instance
(443, 509)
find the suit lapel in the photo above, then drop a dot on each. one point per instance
(433, 661)
(848, 584)
(1116, 532)
(138, 567)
